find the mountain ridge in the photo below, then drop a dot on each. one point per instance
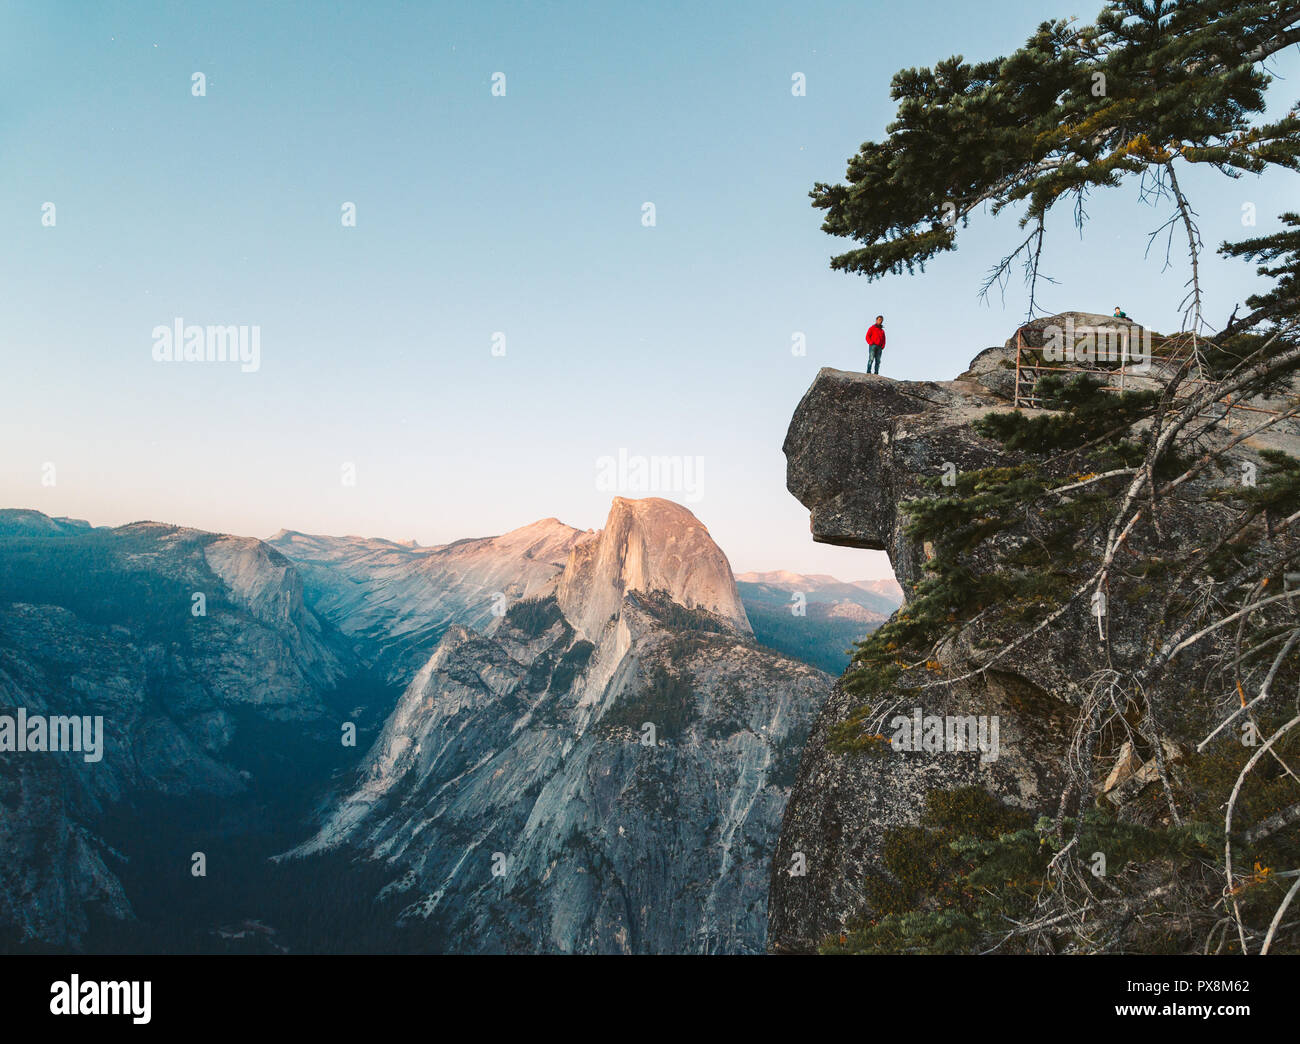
(523, 790)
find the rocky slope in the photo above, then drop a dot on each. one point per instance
(394, 601)
(101, 622)
(604, 772)
(26, 522)
(859, 449)
(859, 445)
(647, 545)
(815, 618)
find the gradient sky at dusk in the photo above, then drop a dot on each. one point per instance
(477, 214)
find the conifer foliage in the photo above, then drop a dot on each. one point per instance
(1134, 502)
(1148, 87)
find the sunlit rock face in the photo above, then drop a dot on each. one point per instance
(604, 772)
(395, 600)
(648, 545)
(590, 752)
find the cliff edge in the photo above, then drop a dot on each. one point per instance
(1032, 662)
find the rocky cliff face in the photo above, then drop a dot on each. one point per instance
(604, 772)
(859, 449)
(101, 623)
(859, 445)
(647, 545)
(394, 601)
(603, 768)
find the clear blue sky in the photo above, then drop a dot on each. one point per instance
(476, 214)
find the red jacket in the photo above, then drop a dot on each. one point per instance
(876, 335)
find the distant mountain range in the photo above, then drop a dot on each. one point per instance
(815, 618)
(395, 601)
(567, 740)
(213, 679)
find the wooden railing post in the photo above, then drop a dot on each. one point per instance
(1019, 342)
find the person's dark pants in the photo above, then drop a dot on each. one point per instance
(873, 358)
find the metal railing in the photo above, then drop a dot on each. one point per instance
(1029, 368)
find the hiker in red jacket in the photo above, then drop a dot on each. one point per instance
(876, 344)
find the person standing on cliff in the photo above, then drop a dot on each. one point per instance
(875, 344)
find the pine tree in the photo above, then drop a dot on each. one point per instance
(1151, 86)
(1281, 254)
